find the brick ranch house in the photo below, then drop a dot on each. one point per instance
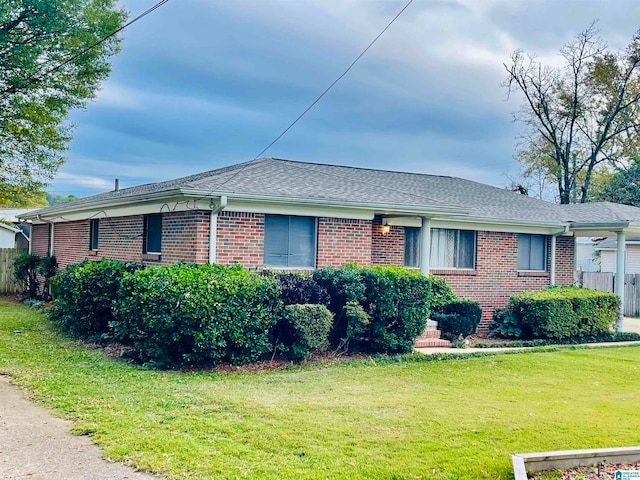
(270, 213)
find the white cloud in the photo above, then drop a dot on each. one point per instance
(85, 181)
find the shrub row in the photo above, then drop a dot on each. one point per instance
(187, 314)
(557, 313)
(458, 318)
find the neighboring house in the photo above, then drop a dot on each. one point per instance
(18, 235)
(607, 249)
(587, 257)
(485, 241)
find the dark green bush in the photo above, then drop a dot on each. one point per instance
(566, 312)
(187, 314)
(458, 318)
(506, 325)
(47, 268)
(86, 294)
(304, 329)
(301, 289)
(441, 293)
(397, 302)
(25, 272)
(344, 286)
(377, 309)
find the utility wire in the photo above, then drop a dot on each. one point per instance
(326, 90)
(334, 82)
(35, 78)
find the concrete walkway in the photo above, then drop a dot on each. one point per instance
(36, 445)
(628, 325)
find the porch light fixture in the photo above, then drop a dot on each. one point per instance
(385, 227)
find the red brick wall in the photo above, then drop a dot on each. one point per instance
(40, 239)
(565, 260)
(71, 242)
(342, 241)
(240, 239)
(387, 249)
(496, 275)
(185, 237)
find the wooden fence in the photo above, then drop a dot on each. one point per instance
(7, 283)
(605, 281)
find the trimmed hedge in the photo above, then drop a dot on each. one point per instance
(459, 318)
(86, 294)
(561, 313)
(186, 314)
(394, 307)
(297, 288)
(304, 329)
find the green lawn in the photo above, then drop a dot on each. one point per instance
(454, 419)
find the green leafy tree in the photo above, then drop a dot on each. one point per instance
(41, 81)
(623, 186)
(580, 117)
(57, 198)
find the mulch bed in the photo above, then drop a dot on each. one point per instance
(607, 472)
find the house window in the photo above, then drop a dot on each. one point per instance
(411, 247)
(532, 252)
(152, 240)
(289, 241)
(94, 232)
(453, 248)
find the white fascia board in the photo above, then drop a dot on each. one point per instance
(481, 225)
(164, 205)
(9, 227)
(605, 229)
(286, 202)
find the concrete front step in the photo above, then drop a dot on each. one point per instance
(422, 342)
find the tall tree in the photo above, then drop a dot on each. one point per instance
(623, 186)
(41, 81)
(581, 116)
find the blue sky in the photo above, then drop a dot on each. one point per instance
(201, 84)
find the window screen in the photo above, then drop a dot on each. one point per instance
(532, 252)
(289, 241)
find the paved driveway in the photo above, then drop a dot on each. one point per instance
(631, 324)
(36, 445)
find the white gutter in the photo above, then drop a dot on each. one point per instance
(213, 227)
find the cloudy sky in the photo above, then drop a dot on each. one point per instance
(201, 84)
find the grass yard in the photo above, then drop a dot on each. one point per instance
(455, 419)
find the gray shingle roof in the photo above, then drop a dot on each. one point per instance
(286, 179)
(611, 243)
(601, 212)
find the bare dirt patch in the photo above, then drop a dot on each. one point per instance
(606, 472)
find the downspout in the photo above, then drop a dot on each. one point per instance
(552, 269)
(213, 226)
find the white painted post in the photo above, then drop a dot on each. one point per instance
(425, 245)
(52, 232)
(620, 254)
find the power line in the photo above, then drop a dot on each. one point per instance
(39, 77)
(325, 91)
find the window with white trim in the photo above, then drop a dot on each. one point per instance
(532, 252)
(453, 248)
(289, 241)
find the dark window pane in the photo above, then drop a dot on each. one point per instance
(466, 249)
(532, 252)
(153, 233)
(94, 233)
(411, 247)
(289, 241)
